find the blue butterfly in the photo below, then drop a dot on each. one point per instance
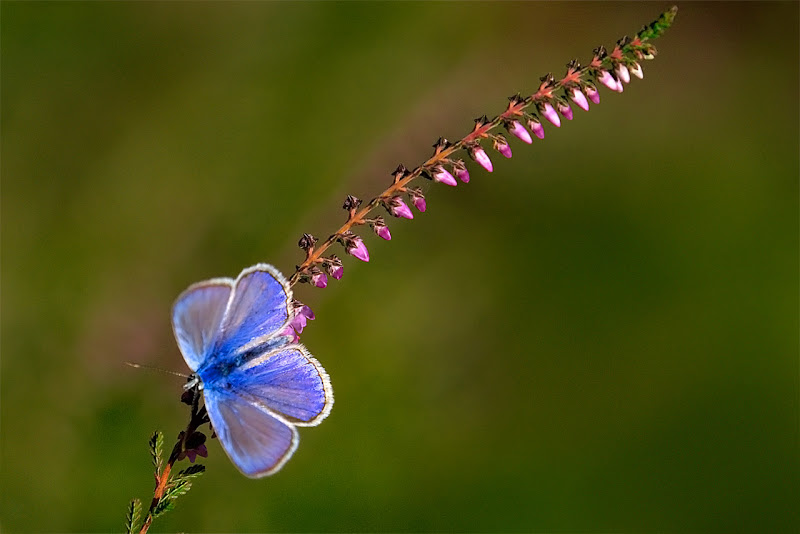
(258, 384)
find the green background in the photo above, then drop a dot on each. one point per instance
(602, 335)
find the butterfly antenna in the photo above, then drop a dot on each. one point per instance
(151, 368)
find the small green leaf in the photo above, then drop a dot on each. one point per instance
(193, 471)
(176, 489)
(163, 506)
(133, 517)
(156, 448)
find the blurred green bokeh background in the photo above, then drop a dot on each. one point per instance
(602, 335)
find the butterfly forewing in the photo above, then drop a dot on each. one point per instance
(196, 318)
(258, 309)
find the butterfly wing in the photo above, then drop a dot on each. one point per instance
(255, 408)
(196, 318)
(258, 309)
(257, 441)
(287, 381)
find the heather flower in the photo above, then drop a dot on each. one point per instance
(608, 80)
(550, 114)
(565, 110)
(319, 279)
(194, 446)
(398, 208)
(622, 73)
(501, 145)
(580, 99)
(536, 127)
(479, 154)
(441, 175)
(636, 70)
(334, 268)
(461, 172)
(519, 131)
(418, 199)
(302, 315)
(592, 93)
(355, 246)
(380, 228)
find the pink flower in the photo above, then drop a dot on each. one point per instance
(636, 70)
(501, 145)
(622, 73)
(461, 171)
(536, 127)
(608, 80)
(565, 110)
(479, 154)
(419, 203)
(194, 446)
(593, 93)
(519, 131)
(357, 248)
(334, 268)
(383, 232)
(579, 99)
(319, 279)
(398, 208)
(441, 175)
(380, 228)
(550, 114)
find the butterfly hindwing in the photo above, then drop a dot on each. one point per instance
(288, 381)
(257, 441)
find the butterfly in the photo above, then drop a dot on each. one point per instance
(258, 384)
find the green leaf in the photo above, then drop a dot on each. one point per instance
(163, 507)
(193, 471)
(176, 489)
(133, 517)
(156, 448)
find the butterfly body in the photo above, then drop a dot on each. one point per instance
(258, 385)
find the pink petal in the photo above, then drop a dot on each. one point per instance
(551, 115)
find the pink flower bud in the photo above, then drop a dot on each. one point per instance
(550, 114)
(622, 73)
(565, 110)
(419, 203)
(579, 99)
(334, 267)
(320, 279)
(501, 145)
(519, 131)
(398, 208)
(593, 94)
(536, 127)
(358, 249)
(441, 175)
(636, 70)
(479, 154)
(608, 80)
(383, 232)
